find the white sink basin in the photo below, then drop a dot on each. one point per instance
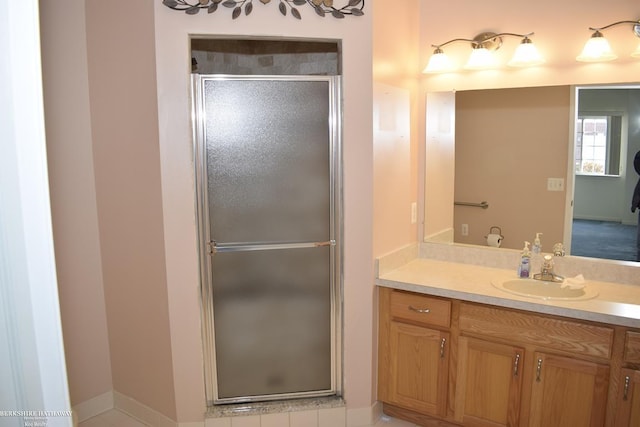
(545, 290)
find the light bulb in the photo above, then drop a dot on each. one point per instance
(526, 55)
(480, 59)
(438, 63)
(596, 49)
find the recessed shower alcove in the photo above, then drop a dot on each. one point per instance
(267, 156)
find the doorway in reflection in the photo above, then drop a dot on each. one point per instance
(607, 134)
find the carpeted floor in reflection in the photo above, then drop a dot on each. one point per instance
(604, 239)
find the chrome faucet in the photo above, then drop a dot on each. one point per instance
(558, 249)
(546, 272)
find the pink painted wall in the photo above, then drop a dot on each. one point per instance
(152, 313)
(172, 31)
(73, 199)
(396, 123)
(439, 166)
(126, 155)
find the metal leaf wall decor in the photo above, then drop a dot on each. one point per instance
(238, 7)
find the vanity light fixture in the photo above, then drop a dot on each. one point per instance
(483, 45)
(597, 48)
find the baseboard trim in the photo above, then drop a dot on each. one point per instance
(140, 411)
(361, 417)
(415, 417)
(94, 406)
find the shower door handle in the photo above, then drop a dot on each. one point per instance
(215, 247)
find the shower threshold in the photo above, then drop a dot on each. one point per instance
(274, 406)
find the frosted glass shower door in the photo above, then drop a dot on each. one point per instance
(269, 152)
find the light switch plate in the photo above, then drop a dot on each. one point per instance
(414, 212)
(555, 184)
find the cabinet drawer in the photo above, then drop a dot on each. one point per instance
(541, 331)
(420, 308)
(632, 347)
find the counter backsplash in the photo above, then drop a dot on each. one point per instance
(591, 268)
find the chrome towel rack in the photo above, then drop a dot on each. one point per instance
(483, 205)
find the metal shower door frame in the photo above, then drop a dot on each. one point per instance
(206, 248)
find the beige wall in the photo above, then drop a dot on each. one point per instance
(73, 199)
(173, 60)
(508, 142)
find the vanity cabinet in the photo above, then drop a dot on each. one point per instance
(568, 392)
(564, 391)
(415, 364)
(418, 367)
(562, 365)
(489, 383)
(628, 400)
(628, 409)
(492, 366)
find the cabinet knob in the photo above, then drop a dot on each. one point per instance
(539, 370)
(419, 310)
(627, 380)
(442, 344)
(516, 365)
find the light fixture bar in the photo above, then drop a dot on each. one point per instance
(438, 46)
(482, 38)
(636, 26)
(481, 56)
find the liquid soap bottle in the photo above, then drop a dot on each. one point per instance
(537, 246)
(525, 262)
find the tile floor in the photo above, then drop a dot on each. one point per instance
(115, 418)
(111, 418)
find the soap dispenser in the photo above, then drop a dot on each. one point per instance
(525, 262)
(537, 246)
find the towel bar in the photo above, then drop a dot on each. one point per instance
(483, 205)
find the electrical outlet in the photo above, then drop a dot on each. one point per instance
(414, 212)
(465, 229)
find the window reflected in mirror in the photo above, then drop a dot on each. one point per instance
(598, 141)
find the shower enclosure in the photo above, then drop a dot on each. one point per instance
(267, 160)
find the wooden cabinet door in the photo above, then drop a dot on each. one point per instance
(418, 371)
(568, 392)
(489, 383)
(628, 407)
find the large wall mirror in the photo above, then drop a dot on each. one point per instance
(556, 160)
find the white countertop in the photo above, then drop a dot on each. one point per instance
(615, 304)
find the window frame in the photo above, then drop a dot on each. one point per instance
(615, 122)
